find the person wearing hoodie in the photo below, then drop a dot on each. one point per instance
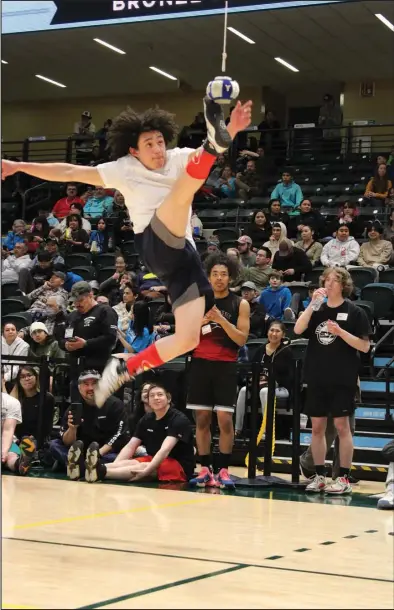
(293, 262)
(279, 233)
(276, 299)
(288, 192)
(341, 251)
(12, 345)
(41, 343)
(277, 360)
(376, 252)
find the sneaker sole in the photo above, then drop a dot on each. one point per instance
(92, 458)
(73, 469)
(315, 491)
(345, 492)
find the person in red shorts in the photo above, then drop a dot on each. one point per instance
(167, 436)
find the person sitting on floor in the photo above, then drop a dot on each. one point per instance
(106, 427)
(167, 436)
(17, 458)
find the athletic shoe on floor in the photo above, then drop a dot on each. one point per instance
(94, 469)
(386, 502)
(317, 485)
(205, 478)
(224, 481)
(353, 480)
(218, 138)
(339, 487)
(28, 448)
(114, 376)
(75, 461)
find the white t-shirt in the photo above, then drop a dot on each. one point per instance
(144, 189)
(10, 408)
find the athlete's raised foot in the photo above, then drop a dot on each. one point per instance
(114, 376)
(218, 138)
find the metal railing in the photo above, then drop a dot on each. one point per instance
(356, 139)
(384, 372)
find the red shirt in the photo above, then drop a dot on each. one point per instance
(61, 209)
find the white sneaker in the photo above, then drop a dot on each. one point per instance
(114, 376)
(339, 487)
(288, 315)
(317, 484)
(387, 501)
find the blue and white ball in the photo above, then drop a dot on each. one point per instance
(223, 90)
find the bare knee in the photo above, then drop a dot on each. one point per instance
(319, 426)
(342, 426)
(225, 421)
(203, 420)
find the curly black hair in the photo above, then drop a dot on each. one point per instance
(219, 258)
(129, 125)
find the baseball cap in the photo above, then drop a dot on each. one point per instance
(80, 289)
(245, 239)
(89, 374)
(38, 326)
(249, 286)
(87, 114)
(59, 274)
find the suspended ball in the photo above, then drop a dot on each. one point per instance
(223, 90)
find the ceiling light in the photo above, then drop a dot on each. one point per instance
(109, 46)
(385, 21)
(3, 61)
(237, 33)
(49, 80)
(284, 63)
(163, 73)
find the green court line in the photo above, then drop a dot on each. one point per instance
(327, 543)
(301, 550)
(351, 536)
(170, 585)
(202, 559)
(371, 531)
(273, 557)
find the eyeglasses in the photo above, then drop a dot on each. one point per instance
(27, 376)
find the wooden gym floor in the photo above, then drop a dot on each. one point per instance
(74, 545)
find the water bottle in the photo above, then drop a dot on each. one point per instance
(318, 303)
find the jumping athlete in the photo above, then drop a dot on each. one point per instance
(158, 186)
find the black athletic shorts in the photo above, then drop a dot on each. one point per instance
(212, 385)
(326, 401)
(176, 263)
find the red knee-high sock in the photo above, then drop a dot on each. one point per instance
(145, 360)
(200, 165)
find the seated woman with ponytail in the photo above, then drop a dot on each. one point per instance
(276, 358)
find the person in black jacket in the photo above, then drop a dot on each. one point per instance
(275, 213)
(91, 331)
(292, 261)
(113, 286)
(259, 229)
(308, 217)
(107, 427)
(27, 391)
(277, 360)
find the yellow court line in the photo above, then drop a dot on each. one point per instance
(138, 509)
(19, 607)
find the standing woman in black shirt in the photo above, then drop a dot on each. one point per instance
(168, 437)
(27, 391)
(338, 330)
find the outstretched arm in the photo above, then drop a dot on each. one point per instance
(53, 172)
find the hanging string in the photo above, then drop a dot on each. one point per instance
(224, 54)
